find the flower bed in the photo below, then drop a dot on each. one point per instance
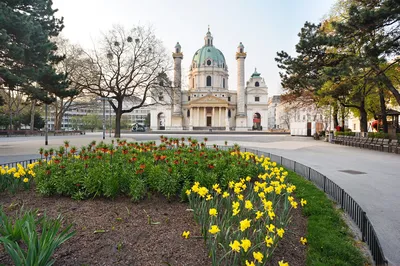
(241, 201)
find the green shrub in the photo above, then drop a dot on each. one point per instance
(108, 171)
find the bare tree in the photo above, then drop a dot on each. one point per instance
(75, 65)
(128, 65)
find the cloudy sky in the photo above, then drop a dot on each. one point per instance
(264, 26)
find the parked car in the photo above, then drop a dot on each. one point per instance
(138, 128)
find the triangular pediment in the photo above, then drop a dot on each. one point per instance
(208, 100)
(257, 90)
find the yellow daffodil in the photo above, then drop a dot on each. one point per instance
(209, 197)
(248, 178)
(249, 263)
(281, 263)
(244, 224)
(203, 191)
(303, 202)
(213, 212)
(17, 175)
(218, 191)
(188, 192)
(269, 241)
(294, 204)
(225, 194)
(235, 246)
(290, 198)
(195, 187)
(235, 212)
(271, 214)
(240, 197)
(246, 244)
(261, 195)
(270, 228)
(215, 186)
(259, 214)
(248, 205)
(235, 205)
(280, 232)
(26, 180)
(186, 234)
(258, 256)
(303, 240)
(214, 229)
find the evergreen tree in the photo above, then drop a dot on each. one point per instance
(27, 53)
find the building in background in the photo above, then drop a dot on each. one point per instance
(74, 117)
(209, 103)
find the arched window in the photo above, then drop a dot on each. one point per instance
(208, 62)
(208, 81)
(223, 83)
(241, 50)
(208, 42)
(192, 82)
(257, 84)
(188, 113)
(229, 113)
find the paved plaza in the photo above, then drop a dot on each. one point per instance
(375, 191)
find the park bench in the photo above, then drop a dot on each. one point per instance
(361, 142)
(349, 140)
(371, 144)
(377, 145)
(356, 141)
(366, 144)
(394, 146)
(385, 145)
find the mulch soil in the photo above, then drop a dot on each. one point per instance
(144, 234)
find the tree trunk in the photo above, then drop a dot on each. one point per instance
(363, 117)
(33, 115)
(383, 110)
(58, 114)
(118, 115)
(335, 116)
(342, 113)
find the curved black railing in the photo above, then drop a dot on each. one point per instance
(337, 193)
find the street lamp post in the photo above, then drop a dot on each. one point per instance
(46, 128)
(104, 118)
(110, 119)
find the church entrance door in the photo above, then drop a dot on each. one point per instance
(209, 121)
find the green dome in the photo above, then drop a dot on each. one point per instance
(201, 57)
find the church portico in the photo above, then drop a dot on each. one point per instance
(208, 112)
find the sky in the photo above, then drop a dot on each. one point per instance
(263, 26)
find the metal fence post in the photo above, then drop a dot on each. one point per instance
(324, 183)
(342, 200)
(363, 226)
(294, 167)
(309, 173)
(281, 160)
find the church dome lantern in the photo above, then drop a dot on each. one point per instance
(208, 55)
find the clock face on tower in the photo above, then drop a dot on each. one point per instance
(208, 62)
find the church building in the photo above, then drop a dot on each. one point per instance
(208, 102)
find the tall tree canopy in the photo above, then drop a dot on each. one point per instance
(27, 54)
(348, 58)
(128, 66)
